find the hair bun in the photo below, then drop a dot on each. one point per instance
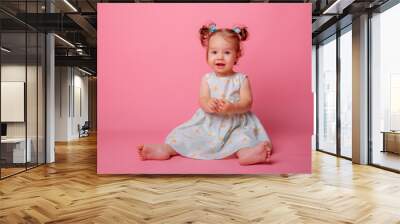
(205, 32)
(243, 34)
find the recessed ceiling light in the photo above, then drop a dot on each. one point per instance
(70, 5)
(84, 71)
(338, 6)
(5, 50)
(64, 40)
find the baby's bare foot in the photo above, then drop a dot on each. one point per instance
(261, 153)
(154, 152)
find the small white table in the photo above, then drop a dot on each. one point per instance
(18, 150)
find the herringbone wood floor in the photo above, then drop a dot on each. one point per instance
(70, 191)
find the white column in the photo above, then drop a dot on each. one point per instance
(360, 90)
(50, 100)
(50, 92)
(63, 103)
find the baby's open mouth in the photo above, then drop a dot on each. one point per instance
(220, 64)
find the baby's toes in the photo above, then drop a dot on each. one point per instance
(140, 151)
(268, 154)
(141, 155)
(268, 149)
(268, 159)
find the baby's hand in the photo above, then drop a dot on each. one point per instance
(224, 107)
(212, 105)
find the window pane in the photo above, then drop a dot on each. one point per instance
(327, 96)
(346, 93)
(386, 88)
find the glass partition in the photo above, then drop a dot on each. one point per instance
(32, 95)
(346, 93)
(385, 89)
(13, 109)
(22, 77)
(327, 95)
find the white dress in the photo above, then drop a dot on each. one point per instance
(209, 136)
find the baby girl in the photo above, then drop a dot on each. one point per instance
(223, 125)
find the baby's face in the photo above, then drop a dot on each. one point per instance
(221, 55)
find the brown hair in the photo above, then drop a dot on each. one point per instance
(206, 34)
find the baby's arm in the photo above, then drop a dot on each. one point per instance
(246, 99)
(208, 104)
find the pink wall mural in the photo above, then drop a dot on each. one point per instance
(150, 63)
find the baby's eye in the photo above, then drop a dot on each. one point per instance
(227, 52)
(213, 52)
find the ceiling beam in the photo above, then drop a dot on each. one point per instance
(320, 22)
(85, 25)
(85, 61)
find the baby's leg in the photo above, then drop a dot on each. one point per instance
(156, 151)
(261, 153)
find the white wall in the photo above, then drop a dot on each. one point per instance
(61, 103)
(9, 73)
(79, 117)
(71, 93)
(15, 72)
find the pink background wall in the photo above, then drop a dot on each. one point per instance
(150, 63)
